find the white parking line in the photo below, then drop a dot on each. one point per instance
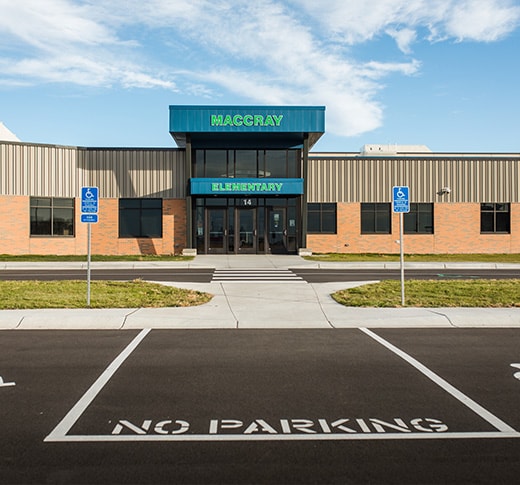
(496, 422)
(64, 426)
(281, 437)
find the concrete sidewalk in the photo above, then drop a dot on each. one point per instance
(258, 305)
(249, 261)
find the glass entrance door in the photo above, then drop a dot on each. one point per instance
(263, 226)
(245, 231)
(216, 234)
(277, 230)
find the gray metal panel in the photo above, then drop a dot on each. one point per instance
(370, 179)
(135, 172)
(48, 170)
(45, 170)
(56, 171)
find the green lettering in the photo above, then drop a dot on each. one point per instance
(263, 187)
(250, 187)
(246, 120)
(270, 187)
(236, 187)
(228, 187)
(268, 121)
(279, 186)
(216, 120)
(277, 119)
(214, 187)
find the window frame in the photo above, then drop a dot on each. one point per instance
(493, 212)
(376, 209)
(239, 163)
(53, 207)
(321, 210)
(141, 211)
(415, 216)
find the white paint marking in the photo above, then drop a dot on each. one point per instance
(59, 434)
(6, 384)
(286, 437)
(516, 375)
(467, 401)
(64, 426)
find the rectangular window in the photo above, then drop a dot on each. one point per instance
(495, 218)
(140, 217)
(321, 218)
(52, 216)
(216, 163)
(272, 163)
(275, 164)
(375, 218)
(420, 219)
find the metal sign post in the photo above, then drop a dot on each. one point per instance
(89, 232)
(401, 205)
(89, 215)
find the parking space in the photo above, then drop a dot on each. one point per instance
(286, 385)
(262, 406)
(479, 362)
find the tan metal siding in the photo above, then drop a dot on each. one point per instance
(54, 171)
(357, 179)
(135, 173)
(38, 170)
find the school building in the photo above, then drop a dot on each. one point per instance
(244, 179)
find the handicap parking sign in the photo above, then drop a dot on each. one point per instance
(401, 199)
(89, 200)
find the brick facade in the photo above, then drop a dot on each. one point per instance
(456, 230)
(456, 226)
(15, 235)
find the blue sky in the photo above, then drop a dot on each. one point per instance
(443, 73)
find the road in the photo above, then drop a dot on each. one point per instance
(206, 275)
(397, 406)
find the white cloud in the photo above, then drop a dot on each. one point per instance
(482, 20)
(355, 22)
(265, 51)
(404, 38)
(61, 41)
(52, 24)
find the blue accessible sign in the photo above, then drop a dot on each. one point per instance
(89, 204)
(89, 200)
(89, 218)
(400, 199)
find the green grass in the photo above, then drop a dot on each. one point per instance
(373, 257)
(94, 257)
(103, 294)
(420, 293)
(333, 257)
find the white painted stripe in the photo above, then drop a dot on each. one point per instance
(460, 396)
(275, 271)
(256, 278)
(79, 408)
(285, 437)
(258, 275)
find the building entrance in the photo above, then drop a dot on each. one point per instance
(246, 226)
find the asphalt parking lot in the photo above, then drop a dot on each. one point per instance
(260, 406)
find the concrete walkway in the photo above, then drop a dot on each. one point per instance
(258, 305)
